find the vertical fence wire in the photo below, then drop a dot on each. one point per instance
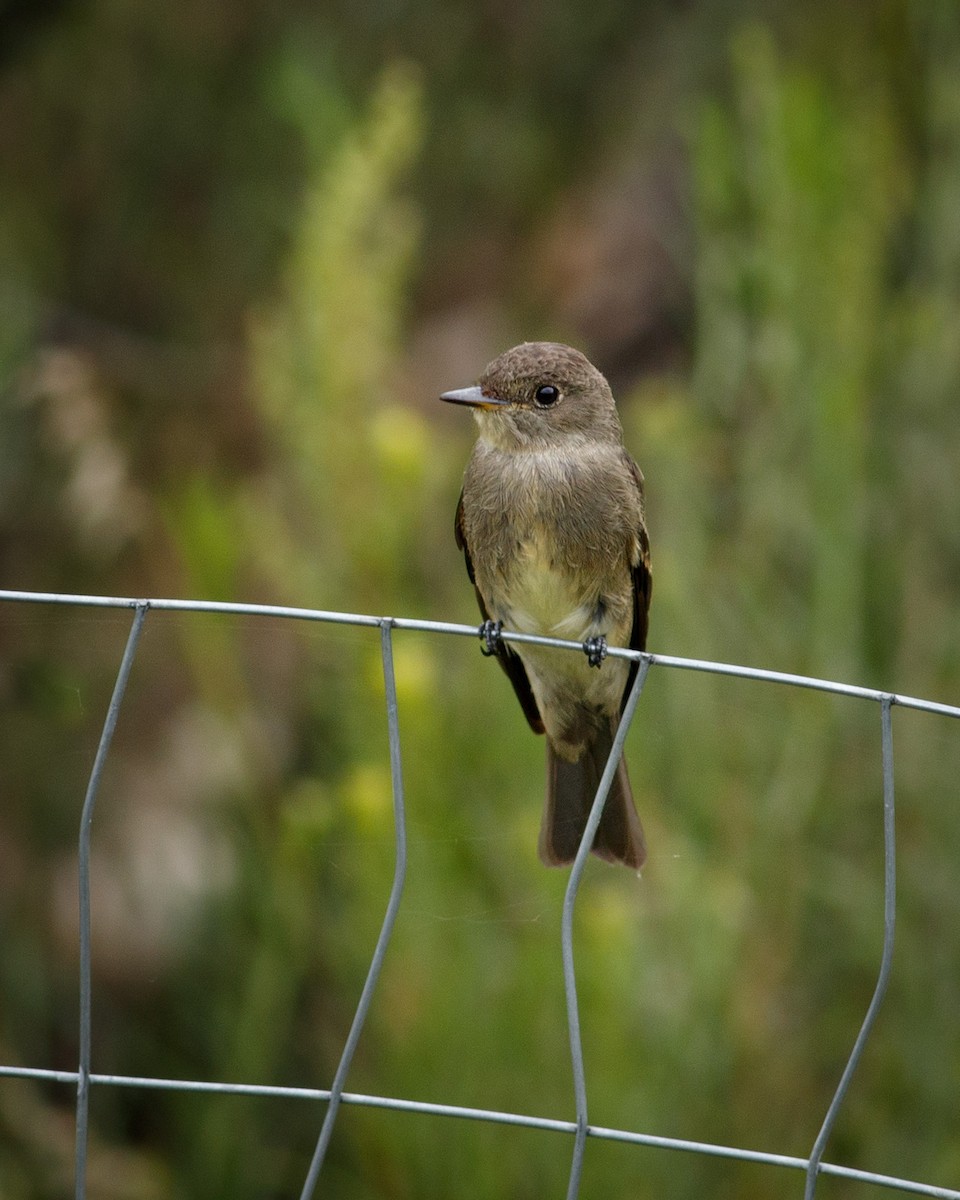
(566, 929)
(393, 907)
(83, 867)
(886, 958)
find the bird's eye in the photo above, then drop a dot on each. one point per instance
(546, 395)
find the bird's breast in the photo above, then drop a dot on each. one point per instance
(549, 543)
(539, 594)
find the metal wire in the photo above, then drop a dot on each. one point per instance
(886, 958)
(566, 930)
(83, 859)
(393, 907)
(812, 1166)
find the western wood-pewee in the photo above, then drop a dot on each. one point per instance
(551, 524)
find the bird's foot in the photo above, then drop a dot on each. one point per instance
(489, 633)
(595, 648)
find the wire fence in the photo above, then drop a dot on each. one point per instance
(812, 1167)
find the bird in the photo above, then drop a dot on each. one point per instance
(551, 523)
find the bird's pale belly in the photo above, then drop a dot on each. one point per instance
(537, 597)
(534, 595)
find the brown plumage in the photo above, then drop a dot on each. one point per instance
(551, 524)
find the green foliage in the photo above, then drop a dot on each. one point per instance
(806, 510)
(800, 190)
(804, 516)
(323, 362)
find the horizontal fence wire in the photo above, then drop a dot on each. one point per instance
(580, 1129)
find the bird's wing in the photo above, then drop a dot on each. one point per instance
(507, 658)
(642, 585)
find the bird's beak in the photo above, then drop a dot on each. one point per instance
(475, 397)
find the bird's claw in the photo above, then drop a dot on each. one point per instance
(595, 648)
(489, 633)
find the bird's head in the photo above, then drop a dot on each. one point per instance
(540, 394)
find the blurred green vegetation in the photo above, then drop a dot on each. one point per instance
(242, 249)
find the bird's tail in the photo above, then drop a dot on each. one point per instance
(571, 789)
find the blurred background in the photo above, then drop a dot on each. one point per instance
(243, 248)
